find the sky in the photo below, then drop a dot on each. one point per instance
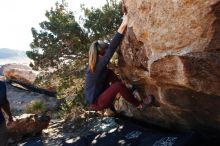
(17, 17)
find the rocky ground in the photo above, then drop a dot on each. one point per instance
(20, 99)
(98, 131)
(89, 127)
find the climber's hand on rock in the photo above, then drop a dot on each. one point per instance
(123, 25)
(125, 20)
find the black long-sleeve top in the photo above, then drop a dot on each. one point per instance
(96, 81)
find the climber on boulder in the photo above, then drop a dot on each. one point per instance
(99, 93)
(4, 105)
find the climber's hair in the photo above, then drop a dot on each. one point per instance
(96, 48)
(93, 56)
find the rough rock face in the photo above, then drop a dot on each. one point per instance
(172, 51)
(18, 72)
(28, 125)
(20, 100)
(25, 76)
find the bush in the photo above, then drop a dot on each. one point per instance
(73, 107)
(35, 107)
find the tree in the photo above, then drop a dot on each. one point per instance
(60, 38)
(102, 23)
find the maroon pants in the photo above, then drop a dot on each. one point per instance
(107, 97)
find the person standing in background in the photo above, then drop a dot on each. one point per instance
(4, 107)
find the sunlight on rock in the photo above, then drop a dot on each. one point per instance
(23, 116)
(72, 140)
(105, 124)
(104, 127)
(112, 130)
(103, 135)
(94, 141)
(97, 136)
(121, 142)
(120, 128)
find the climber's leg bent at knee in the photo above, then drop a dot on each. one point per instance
(108, 96)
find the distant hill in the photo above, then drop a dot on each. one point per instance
(9, 53)
(9, 56)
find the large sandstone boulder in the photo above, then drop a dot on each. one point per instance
(26, 77)
(27, 125)
(172, 51)
(22, 101)
(20, 73)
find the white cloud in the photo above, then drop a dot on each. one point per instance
(17, 18)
